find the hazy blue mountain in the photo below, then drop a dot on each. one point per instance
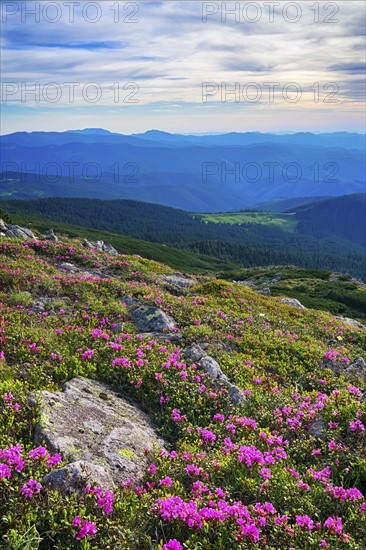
(197, 173)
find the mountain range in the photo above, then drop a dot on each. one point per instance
(209, 173)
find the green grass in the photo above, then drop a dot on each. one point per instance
(181, 260)
(286, 222)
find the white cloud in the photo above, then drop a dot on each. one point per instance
(170, 51)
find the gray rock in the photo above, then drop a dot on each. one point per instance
(317, 427)
(38, 306)
(195, 354)
(87, 244)
(50, 236)
(172, 337)
(213, 370)
(292, 302)
(16, 232)
(100, 245)
(118, 327)
(265, 290)
(107, 247)
(349, 321)
(95, 429)
(356, 369)
(68, 266)
(148, 318)
(74, 477)
(181, 281)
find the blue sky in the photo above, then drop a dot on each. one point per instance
(161, 53)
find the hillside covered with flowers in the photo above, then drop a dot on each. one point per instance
(283, 469)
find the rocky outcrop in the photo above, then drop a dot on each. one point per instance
(349, 321)
(148, 318)
(102, 435)
(195, 354)
(100, 245)
(15, 231)
(292, 302)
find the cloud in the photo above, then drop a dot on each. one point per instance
(167, 49)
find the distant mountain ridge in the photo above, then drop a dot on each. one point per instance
(210, 173)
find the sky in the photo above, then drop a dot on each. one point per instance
(183, 66)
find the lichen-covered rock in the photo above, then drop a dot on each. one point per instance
(292, 302)
(195, 354)
(102, 435)
(148, 318)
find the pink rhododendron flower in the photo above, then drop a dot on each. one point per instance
(30, 488)
(334, 524)
(173, 544)
(305, 522)
(167, 481)
(87, 529)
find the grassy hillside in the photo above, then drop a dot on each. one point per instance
(271, 240)
(286, 469)
(315, 288)
(177, 259)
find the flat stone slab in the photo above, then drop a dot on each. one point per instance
(102, 435)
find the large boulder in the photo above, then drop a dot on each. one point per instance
(102, 435)
(196, 354)
(148, 318)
